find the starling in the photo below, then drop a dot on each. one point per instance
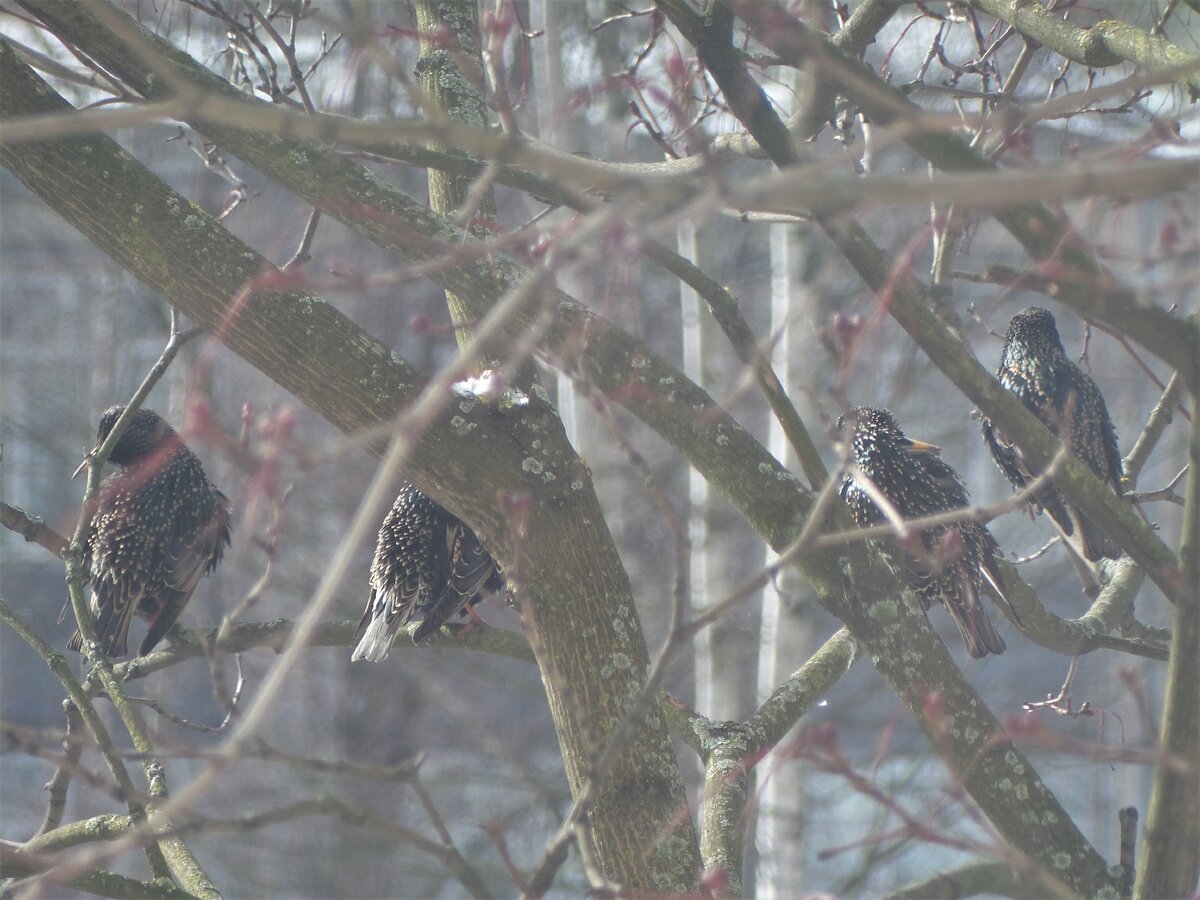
(428, 567)
(957, 557)
(1036, 369)
(158, 525)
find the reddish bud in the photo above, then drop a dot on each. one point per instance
(198, 419)
(497, 25)
(675, 66)
(1168, 236)
(515, 503)
(823, 737)
(715, 880)
(278, 279)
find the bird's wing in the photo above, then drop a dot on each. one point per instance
(193, 552)
(467, 569)
(1006, 455)
(119, 582)
(950, 486)
(1109, 465)
(471, 566)
(962, 602)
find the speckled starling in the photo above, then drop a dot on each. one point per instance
(158, 525)
(957, 558)
(428, 567)
(1036, 369)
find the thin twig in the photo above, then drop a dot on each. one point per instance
(72, 745)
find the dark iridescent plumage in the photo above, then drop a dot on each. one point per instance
(959, 557)
(1036, 369)
(158, 526)
(429, 566)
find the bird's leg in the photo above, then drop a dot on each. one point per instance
(474, 620)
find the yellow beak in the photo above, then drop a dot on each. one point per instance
(914, 446)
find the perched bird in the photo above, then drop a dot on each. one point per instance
(158, 525)
(1036, 369)
(958, 557)
(428, 567)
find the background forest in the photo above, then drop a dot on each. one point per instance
(694, 235)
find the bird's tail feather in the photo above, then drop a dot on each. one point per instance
(972, 620)
(376, 640)
(112, 628)
(1096, 544)
(161, 623)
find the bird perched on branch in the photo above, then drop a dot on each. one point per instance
(954, 559)
(158, 525)
(429, 566)
(1036, 369)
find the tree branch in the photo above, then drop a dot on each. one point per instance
(1169, 864)
(1106, 43)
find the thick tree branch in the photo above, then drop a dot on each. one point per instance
(332, 366)
(902, 294)
(971, 880)
(33, 529)
(976, 746)
(18, 863)
(1083, 284)
(1169, 864)
(1106, 43)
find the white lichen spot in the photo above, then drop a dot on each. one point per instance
(639, 362)
(1005, 784)
(1022, 792)
(534, 466)
(461, 426)
(513, 398)
(670, 379)
(722, 439)
(540, 392)
(488, 386)
(1061, 861)
(1011, 757)
(764, 468)
(537, 445)
(621, 661)
(577, 485)
(548, 476)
